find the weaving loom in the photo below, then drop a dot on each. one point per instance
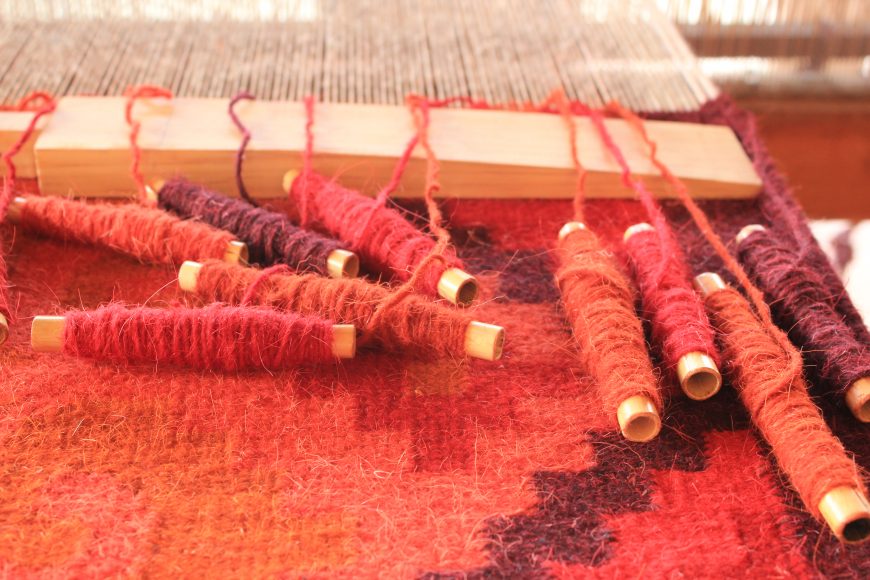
(450, 441)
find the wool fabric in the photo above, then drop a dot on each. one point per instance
(769, 382)
(410, 323)
(599, 302)
(677, 318)
(147, 234)
(802, 304)
(384, 240)
(271, 237)
(216, 337)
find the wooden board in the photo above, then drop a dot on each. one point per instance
(483, 154)
(12, 123)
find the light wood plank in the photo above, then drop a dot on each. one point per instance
(484, 154)
(12, 123)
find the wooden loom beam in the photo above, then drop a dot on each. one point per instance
(484, 154)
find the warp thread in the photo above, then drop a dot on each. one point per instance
(772, 389)
(134, 94)
(801, 303)
(413, 322)
(216, 337)
(150, 235)
(270, 236)
(599, 303)
(381, 236)
(243, 145)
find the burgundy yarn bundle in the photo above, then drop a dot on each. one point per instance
(802, 304)
(149, 235)
(676, 314)
(270, 236)
(215, 337)
(414, 322)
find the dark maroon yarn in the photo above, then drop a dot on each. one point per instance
(270, 236)
(801, 305)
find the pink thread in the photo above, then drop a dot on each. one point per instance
(133, 94)
(216, 337)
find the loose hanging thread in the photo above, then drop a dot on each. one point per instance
(133, 95)
(599, 304)
(799, 300)
(216, 337)
(383, 238)
(412, 322)
(775, 395)
(43, 104)
(679, 324)
(243, 146)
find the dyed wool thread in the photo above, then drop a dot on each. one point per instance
(243, 145)
(149, 235)
(771, 387)
(134, 94)
(411, 323)
(676, 314)
(270, 236)
(800, 302)
(216, 337)
(599, 302)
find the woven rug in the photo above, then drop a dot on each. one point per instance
(393, 466)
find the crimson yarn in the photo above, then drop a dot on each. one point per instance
(599, 302)
(147, 234)
(675, 311)
(801, 302)
(270, 236)
(769, 382)
(412, 322)
(216, 337)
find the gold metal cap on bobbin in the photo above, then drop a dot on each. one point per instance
(708, 283)
(457, 286)
(746, 231)
(46, 333)
(236, 253)
(342, 264)
(344, 340)
(638, 419)
(858, 399)
(847, 513)
(484, 341)
(4, 329)
(636, 229)
(570, 227)
(288, 179)
(699, 376)
(13, 214)
(188, 274)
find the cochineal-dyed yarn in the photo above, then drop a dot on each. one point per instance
(801, 304)
(134, 94)
(413, 322)
(243, 145)
(389, 244)
(677, 319)
(216, 337)
(270, 236)
(769, 382)
(147, 234)
(599, 303)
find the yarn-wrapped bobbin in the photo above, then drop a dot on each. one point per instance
(766, 371)
(391, 243)
(679, 324)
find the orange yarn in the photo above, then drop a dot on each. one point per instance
(149, 235)
(412, 321)
(600, 305)
(772, 389)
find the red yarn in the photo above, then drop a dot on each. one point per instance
(381, 236)
(412, 322)
(149, 235)
(600, 305)
(675, 311)
(215, 337)
(34, 101)
(771, 387)
(133, 94)
(246, 138)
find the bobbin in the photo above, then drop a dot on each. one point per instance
(697, 372)
(46, 335)
(454, 285)
(638, 419)
(483, 341)
(4, 329)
